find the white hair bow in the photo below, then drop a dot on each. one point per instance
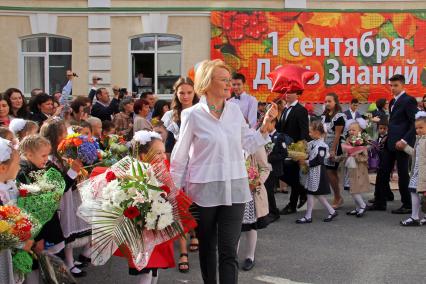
(143, 136)
(361, 122)
(17, 125)
(420, 114)
(5, 150)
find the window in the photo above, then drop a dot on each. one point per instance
(156, 62)
(44, 62)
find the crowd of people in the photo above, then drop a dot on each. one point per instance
(228, 151)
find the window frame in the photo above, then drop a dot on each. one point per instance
(44, 54)
(155, 51)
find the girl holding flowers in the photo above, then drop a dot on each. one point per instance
(9, 167)
(76, 231)
(357, 164)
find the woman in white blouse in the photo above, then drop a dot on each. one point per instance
(208, 160)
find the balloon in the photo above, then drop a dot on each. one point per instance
(290, 78)
(372, 107)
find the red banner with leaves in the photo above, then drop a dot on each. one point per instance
(354, 54)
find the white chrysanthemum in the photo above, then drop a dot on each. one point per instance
(118, 196)
(151, 221)
(110, 189)
(106, 206)
(164, 221)
(163, 207)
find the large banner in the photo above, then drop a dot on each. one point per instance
(354, 54)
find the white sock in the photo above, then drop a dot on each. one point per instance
(325, 203)
(87, 251)
(145, 278)
(415, 206)
(359, 201)
(251, 240)
(69, 257)
(309, 206)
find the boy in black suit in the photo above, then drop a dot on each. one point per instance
(401, 132)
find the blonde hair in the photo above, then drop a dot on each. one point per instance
(32, 143)
(204, 74)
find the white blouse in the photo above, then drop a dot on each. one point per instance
(208, 158)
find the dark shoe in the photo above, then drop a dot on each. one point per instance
(193, 244)
(410, 222)
(287, 210)
(183, 263)
(352, 213)
(390, 198)
(248, 264)
(361, 212)
(304, 220)
(375, 207)
(330, 217)
(347, 188)
(302, 202)
(77, 273)
(401, 210)
(84, 259)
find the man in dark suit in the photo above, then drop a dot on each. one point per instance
(294, 122)
(104, 108)
(401, 132)
(352, 112)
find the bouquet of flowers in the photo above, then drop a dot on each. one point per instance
(252, 172)
(15, 226)
(269, 147)
(77, 146)
(353, 146)
(128, 207)
(41, 198)
(299, 151)
(115, 148)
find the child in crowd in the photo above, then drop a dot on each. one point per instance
(317, 182)
(21, 128)
(5, 133)
(85, 129)
(108, 128)
(76, 231)
(96, 124)
(357, 174)
(417, 185)
(9, 167)
(257, 209)
(151, 147)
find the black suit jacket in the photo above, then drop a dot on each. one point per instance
(104, 113)
(296, 125)
(279, 152)
(401, 121)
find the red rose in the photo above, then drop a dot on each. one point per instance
(132, 212)
(110, 176)
(23, 192)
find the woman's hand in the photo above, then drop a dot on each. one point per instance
(28, 245)
(58, 110)
(332, 155)
(302, 162)
(271, 114)
(76, 165)
(38, 247)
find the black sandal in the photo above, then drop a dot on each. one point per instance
(193, 247)
(180, 264)
(410, 222)
(304, 220)
(330, 217)
(352, 213)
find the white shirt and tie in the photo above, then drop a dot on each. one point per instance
(288, 109)
(396, 99)
(248, 106)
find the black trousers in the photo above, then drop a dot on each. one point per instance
(387, 163)
(270, 185)
(292, 178)
(219, 230)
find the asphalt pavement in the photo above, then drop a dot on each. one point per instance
(371, 249)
